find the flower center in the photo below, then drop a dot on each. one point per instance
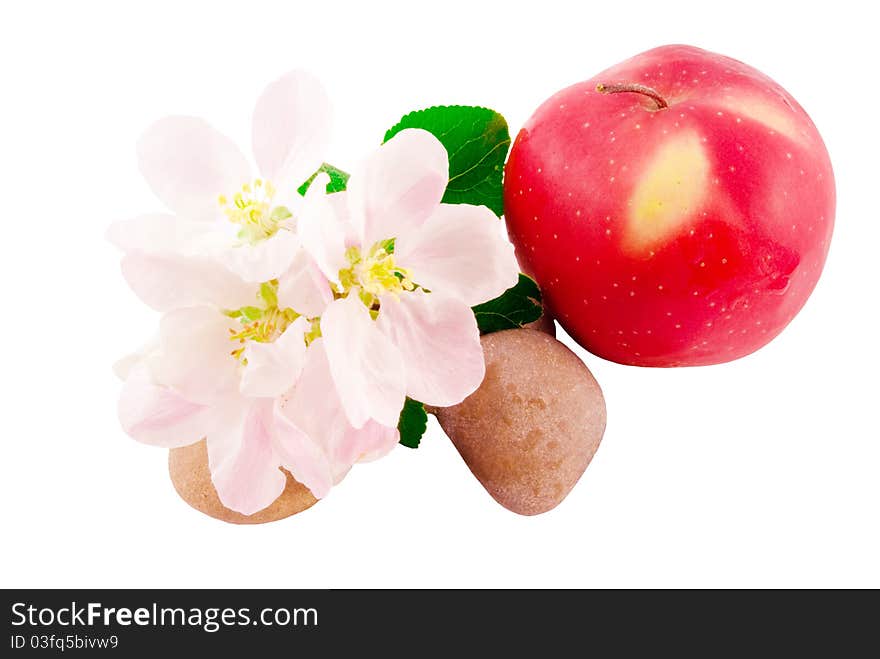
(373, 273)
(251, 209)
(265, 321)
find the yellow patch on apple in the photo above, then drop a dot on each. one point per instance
(779, 118)
(672, 188)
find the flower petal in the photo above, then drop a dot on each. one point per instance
(439, 340)
(367, 369)
(123, 367)
(365, 444)
(312, 407)
(291, 129)
(321, 226)
(461, 251)
(244, 467)
(331, 445)
(265, 260)
(188, 164)
(172, 282)
(155, 415)
(273, 368)
(159, 233)
(399, 186)
(304, 458)
(194, 356)
(303, 287)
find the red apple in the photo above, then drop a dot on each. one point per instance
(676, 209)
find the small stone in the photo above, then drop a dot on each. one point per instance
(191, 478)
(531, 429)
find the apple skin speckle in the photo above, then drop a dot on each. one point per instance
(721, 205)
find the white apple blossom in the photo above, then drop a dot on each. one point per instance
(294, 328)
(405, 270)
(221, 210)
(254, 382)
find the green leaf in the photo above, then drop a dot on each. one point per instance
(514, 308)
(412, 424)
(250, 314)
(338, 179)
(476, 140)
(268, 294)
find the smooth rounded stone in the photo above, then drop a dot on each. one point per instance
(531, 429)
(188, 467)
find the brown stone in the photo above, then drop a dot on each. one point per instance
(531, 429)
(188, 467)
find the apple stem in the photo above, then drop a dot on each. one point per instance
(635, 87)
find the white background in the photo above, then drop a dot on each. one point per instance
(763, 472)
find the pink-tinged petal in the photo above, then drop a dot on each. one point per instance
(303, 287)
(172, 282)
(302, 457)
(340, 472)
(365, 444)
(461, 251)
(367, 368)
(399, 186)
(195, 357)
(437, 336)
(339, 202)
(313, 405)
(273, 368)
(265, 260)
(291, 129)
(158, 234)
(156, 415)
(313, 408)
(322, 230)
(188, 164)
(244, 467)
(122, 368)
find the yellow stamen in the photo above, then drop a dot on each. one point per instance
(267, 322)
(253, 211)
(374, 274)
